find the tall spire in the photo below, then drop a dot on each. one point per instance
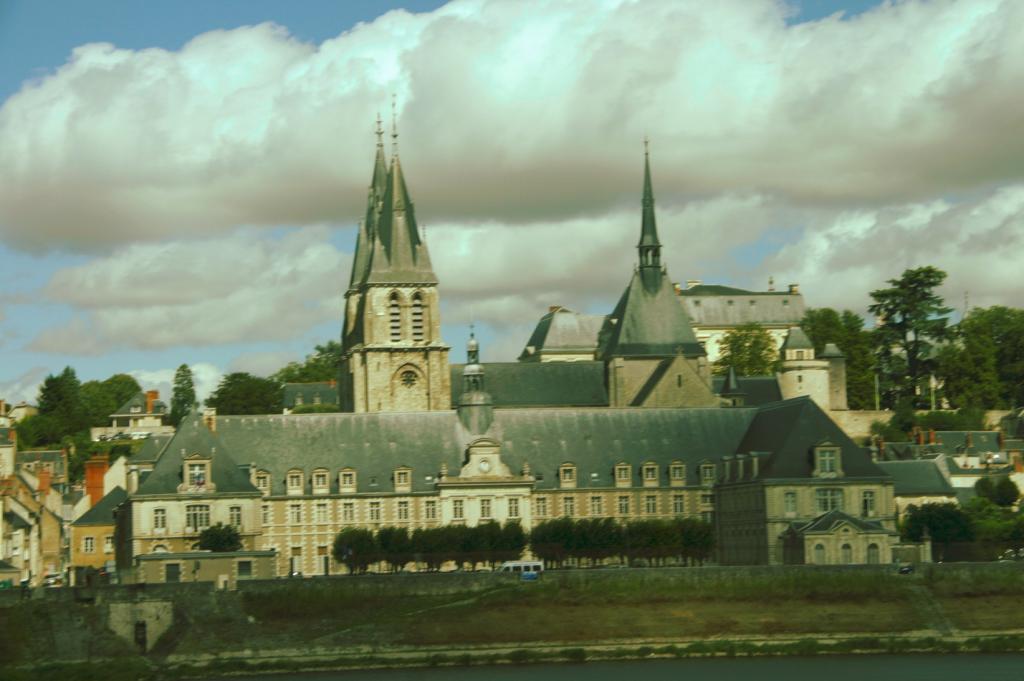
(365, 240)
(649, 246)
(394, 128)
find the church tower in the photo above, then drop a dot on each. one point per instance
(651, 354)
(393, 358)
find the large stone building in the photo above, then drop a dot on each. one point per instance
(630, 428)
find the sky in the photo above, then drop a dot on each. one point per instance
(180, 182)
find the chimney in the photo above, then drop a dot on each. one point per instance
(3, 408)
(43, 474)
(151, 397)
(690, 283)
(210, 418)
(931, 436)
(95, 469)
(333, 382)
(794, 289)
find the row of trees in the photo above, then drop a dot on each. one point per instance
(977, 363)
(487, 543)
(554, 542)
(686, 539)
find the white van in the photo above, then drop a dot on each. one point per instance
(520, 566)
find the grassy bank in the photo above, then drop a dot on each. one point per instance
(398, 621)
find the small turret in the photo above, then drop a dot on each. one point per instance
(476, 409)
(732, 393)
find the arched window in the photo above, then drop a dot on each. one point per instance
(873, 558)
(417, 317)
(395, 314)
(819, 554)
(847, 554)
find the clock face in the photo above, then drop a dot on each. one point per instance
(484, 465)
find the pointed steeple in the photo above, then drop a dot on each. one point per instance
(374, 202)
(649, 246)
(399, 256)
(731, 389)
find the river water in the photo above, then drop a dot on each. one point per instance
(826, 667)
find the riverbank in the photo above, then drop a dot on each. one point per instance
(409, 620)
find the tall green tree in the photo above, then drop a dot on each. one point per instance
(100, 399)
(356, 548)
(846, 329)
(183, 398)
(242, 393)
(749, 349)
(321, 365)
(60, 399)
(984, 367)
(912, 318)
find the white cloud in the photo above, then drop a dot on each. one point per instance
(264, 363)
(978, 242)
(515, 112)
(236, 288)
(205, 377)
(24, 387)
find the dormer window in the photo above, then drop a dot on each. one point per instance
(347, 480)
(263, 482)
(295, 485)
(320, 482)
(403, 478)
(623, 475)
(677, 473)
(195, 474)
(567, 475)
(650, 474)
(707, 474)
(827, 463)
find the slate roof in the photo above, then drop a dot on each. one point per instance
(917, 478)
(50, 456)
(828, 522)
(796, 339)
(16, 521)
(594, 439)
(790, 430)
(327, 392)
(724, 306)
(194, 437)
(648, 321)
(374, 444)
(103, 512)
(151, 449)
(563, 331)
(139, 400)
(981, 440)
(757, 390)
(539, 384)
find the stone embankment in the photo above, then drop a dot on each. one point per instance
(190, 630)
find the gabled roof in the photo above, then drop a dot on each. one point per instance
(194, 437)
(790, 430)
(16, 521)
(831, 520)
(103, 512)
(563, 331)
(917, 478)
(757, 390)
(648, 321)
(139, 400)
(540, 384)
(151, 449)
